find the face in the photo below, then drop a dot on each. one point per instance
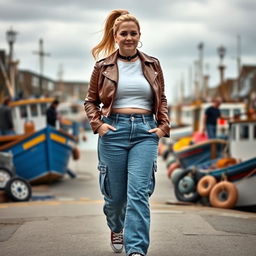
(127, 37)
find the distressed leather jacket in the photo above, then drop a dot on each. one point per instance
(103, 85)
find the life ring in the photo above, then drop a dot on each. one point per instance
(171, 168)
(75, 153)
(205, 185)
(224, 195)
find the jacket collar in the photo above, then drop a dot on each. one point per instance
(111, 70)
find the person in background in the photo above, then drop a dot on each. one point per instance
(6, 122)
(211, 116)
(126, 105)
(51, 113)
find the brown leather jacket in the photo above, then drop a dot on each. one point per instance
(103, 85)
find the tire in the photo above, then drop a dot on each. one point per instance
(5, 176)
(224, 195)
(171, 168)
(18, 190)
(166, 154)
(187, 196)
(205, 185)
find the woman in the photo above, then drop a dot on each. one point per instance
(125, 93)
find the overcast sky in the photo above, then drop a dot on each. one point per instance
(171, 31)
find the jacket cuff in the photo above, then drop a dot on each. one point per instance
(96, 125)
(165, 129)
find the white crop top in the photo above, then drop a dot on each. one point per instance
(133, 90)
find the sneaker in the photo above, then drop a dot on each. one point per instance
(117, 242)
(135, 254)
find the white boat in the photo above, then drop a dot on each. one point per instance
(27, 110)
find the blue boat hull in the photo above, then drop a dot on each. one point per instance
(42, 156)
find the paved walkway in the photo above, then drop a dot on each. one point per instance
(76, 225)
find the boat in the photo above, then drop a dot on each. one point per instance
(242, 173)
(192, 115)
(203, 153)
(42, 156)
(29, 110)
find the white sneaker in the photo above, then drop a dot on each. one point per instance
(117, 242)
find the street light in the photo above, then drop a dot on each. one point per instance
(11, 38)
(221, 50)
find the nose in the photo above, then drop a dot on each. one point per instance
(129, 37)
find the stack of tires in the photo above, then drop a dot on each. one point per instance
(192, 186)
(12, 187)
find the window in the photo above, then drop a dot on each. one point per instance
(224, 112)
(237, 112)
(233, 132)
(50, 86)
(74, 109)
(23, 111)
(33, 109)
(35, 81)
(244, 131)
(21, 78)
(43, 107)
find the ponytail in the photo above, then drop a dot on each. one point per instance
(107, 44)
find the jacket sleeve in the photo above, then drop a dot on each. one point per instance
(92, 100)
(162, 113)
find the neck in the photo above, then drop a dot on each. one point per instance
(128, 57)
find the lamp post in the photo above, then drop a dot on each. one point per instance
(11, 38)
(221, 51)
(200, 69)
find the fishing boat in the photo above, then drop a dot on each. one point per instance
(242, 173)
(41, 156)
(206, 153)
(29, 110)
(192, 115)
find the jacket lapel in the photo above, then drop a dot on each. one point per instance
(148, 68)
(111, 70)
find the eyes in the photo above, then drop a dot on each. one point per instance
(125, 33)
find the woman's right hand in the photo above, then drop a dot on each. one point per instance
(103, 129)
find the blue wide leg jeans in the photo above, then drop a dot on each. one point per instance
(127, 165)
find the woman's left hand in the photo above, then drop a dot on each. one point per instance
(158, 132)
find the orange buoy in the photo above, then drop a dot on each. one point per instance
(171, 168)
(75, 153)
(224, 162)
(205, 185)
(224, 195)
(29, 127)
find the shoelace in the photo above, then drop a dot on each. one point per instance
(117, 238)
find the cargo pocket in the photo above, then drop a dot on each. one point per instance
(152, 182)
(104, 180)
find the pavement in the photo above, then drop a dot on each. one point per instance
(72, 223)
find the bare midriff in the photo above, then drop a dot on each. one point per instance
(131, 111)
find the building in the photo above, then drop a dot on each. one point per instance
(29, 86)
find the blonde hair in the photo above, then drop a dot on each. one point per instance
(107, 44)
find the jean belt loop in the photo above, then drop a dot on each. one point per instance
(117, 115)
(143, 118)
